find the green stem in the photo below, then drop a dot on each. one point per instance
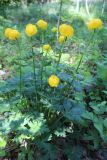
(80, 61)
(41, 75)
(49, 113)
(81, 58)
(56, 122)
(20, 69)
(46, 58)
(42, 36)
(82, 55)
(59, 17)
(34, 71)
(42, 67)
(60, 55)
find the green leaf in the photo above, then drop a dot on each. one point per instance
(22, 154)
(48, 149)
(74, 153)
(105, 123)
(4, 107)
(37, 127)
(88, 115)
(102, 71)
(99, 126)
(93, 136)
(2, 153)
(74, 111)
(30, 155)
(105, 92)
(99, 108)
(2, 142)
(60, 132)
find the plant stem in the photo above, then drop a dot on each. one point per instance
(42, 67)
(59, 17)
(60, 54)
(41, 75)
(34, 71)
(20, 69)
(56, 122)
(82, 55)
(42, 36)
(81, 58)
(80, 61)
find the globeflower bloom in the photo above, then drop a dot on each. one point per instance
(13, 34)
(66, 30)
(53, 81)
(95, 24)
(46, 47)
(7, 31)
(42, 24)
(31, 30)
(54, 29)
(61, 39)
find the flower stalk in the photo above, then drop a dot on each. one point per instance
(59, 58)
(20, 68)
(42, 65)
(82, 55)
(80, 61)
(34, 71)
(60, 54)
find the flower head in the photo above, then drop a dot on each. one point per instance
(31, 30)
(42, 24)
(53, 81)
(7, 31)
(95, 24)
(54, 29)
(46, 47)
(61, 39)
(66, 30)
(13, 34)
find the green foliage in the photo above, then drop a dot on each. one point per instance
(7, 2)
(3, 143)
(41, 122)
(4, 2)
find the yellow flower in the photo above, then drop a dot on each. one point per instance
(54, 29)
(6, 33)
(53, 81)
(42, 24)
(31, 30)
(61, 39)
(95, 24)
(66, 30)
(13, 34)
(46, 47)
